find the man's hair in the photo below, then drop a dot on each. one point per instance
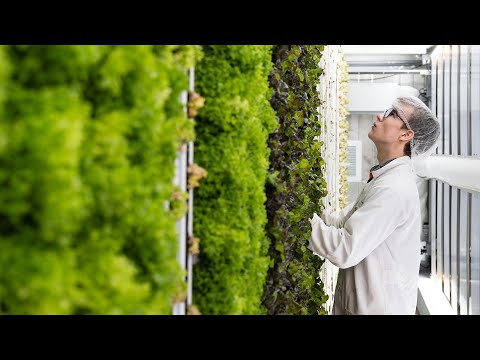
(423, 122)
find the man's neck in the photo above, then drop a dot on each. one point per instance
(383, 156)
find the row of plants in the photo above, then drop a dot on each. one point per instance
(296, 185)
(88, 139)
(343, 130)
(229, 206)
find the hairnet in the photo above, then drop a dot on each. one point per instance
(424, 124)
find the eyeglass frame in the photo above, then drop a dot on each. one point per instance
(394, 111)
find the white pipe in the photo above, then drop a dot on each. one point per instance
(190, 205)
(456, 170)
(179, 308)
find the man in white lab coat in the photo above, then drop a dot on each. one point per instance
(376, 244)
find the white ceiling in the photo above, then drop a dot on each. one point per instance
(374, 59)
(385, 49)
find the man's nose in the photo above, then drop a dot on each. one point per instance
(380, 117)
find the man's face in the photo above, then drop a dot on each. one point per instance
(387, 131)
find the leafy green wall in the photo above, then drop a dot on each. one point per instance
(296, 184)
(88, 139)
(229, 212)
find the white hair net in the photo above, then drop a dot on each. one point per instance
(424, 124)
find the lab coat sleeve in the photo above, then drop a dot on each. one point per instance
(366, 229)
(337, 221)
(331, 220)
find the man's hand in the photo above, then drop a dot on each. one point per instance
(314, 222)
(330, 220)
(314, 219)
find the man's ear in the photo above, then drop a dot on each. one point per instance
(408, 135)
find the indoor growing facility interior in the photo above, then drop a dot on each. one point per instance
(182, 179)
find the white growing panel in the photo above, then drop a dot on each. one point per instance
(440, 244)
(454, 248)
(463, 259)
(181, 180)
(446, 98)
(475, 101)
(464, 263)
(475, 199)
(190, 161)
(463, 97)
(455, 211)
(185, 224)
(454, 102)
(454, 191)
(446, 187)
(440, 98)
(432, 195)
(329, 116)
(475, 254)
(433, 183)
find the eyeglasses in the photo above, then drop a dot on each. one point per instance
(393, 111)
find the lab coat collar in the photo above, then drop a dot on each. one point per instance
(403, 160)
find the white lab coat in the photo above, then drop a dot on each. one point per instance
(376, 245)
